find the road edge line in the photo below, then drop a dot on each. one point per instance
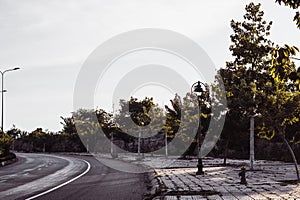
(63, 184)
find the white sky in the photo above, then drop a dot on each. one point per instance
(50, 40)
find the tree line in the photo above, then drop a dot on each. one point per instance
(261, 80)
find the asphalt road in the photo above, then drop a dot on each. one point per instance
(34, 174)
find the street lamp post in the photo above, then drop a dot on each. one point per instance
(166, 143)
(198, 90)
(2, 91)
(139, 141)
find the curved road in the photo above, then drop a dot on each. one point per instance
(67, 177)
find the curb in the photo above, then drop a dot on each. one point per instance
(154, 186)
(8, 162)
(153, 182)
(75, 153)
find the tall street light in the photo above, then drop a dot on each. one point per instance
(2, 91)
(139, 140)
(198, 90)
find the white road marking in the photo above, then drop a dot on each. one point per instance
(63, 184)
(33, 169)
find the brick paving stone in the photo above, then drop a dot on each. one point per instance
(262, 184)
(170, 198)
(271, 196)
(228, 198)
(190, 197)
(198, 197)
(220, 189)
(169, 184)
(285, 196)
(258, 196)
(239, 195)
(214, 197)
(245, 198)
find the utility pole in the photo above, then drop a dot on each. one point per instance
(251, 142)
(2, 91)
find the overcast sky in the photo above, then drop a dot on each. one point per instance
(51, 39)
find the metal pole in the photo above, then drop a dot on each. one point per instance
(139, 144)
(87, 145)
(2, 102)
(200, 164)
(112, 135)
(199, 89)
(2, 74)
(143, 144)
(111, 144)
(251, 142)
(166, 144)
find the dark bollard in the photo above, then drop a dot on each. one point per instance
(242, 174)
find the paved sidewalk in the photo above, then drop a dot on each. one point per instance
(218, 182)
(176, 179)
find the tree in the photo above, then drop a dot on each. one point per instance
(90, 126)
(245, 75)
(14, 132)
(281, 99)
(190, 114)
(262, 80)
(136, 116)
(134, 111)
(251, 51)
(158, 123)
(173, 116)
(68, 125)
(5, 144)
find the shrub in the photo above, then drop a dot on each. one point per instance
(5, 144)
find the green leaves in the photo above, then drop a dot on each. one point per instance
(251, 50)
(265, 132)
(291, 3)
(139, 110)
(282, 68)
(261, 79)
(249, 39)
(297, 19)
(5, 143)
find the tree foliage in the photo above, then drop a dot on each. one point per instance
(5, 144)
(262, 80)
(246, 75)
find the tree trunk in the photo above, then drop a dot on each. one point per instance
(292, 154)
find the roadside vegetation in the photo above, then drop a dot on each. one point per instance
(261, 80)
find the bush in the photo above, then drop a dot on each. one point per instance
(9, 156)
(5, 144)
